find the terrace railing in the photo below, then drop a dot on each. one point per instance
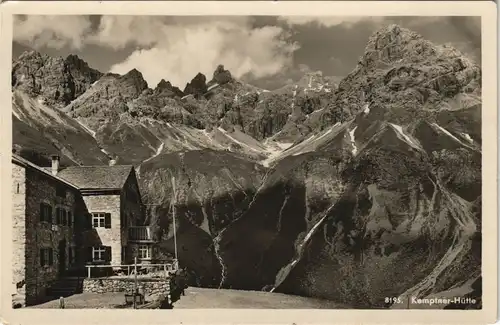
(129, 270)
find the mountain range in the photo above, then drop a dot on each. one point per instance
(330, 188)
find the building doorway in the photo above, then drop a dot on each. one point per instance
(62, 257)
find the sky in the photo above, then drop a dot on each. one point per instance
(267, 51)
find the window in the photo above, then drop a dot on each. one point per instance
(144, 252)
(46, 257)
(101, 253)
(45, 212)
(71, 255)
(98, 253)
(70, 219)
(101, 220)
(60, 191)
(64, 217)
(61, 217)
(17, 188)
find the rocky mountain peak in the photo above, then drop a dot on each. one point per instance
(221, 75)
(402, 76)
(76, 61)
(197, 86)
(32, 55)
(164, 84)
(133, 83)
(166, 88)
(312, 80)
(51, 78)
(83, 75)
(393, 44)
(134, 74)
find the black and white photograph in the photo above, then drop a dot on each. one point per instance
(247, 162)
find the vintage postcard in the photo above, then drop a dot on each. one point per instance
(249, 162)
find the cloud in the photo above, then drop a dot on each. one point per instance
(51, 31)
(327, 21)
(166, 47)
(178, 50)
(119, 31)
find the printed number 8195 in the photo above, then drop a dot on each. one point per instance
(393, 300)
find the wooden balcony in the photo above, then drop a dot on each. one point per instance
(140, 234)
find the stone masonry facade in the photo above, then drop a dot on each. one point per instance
(52, 233)
(19, 225)
(100, 236)
(31, 235)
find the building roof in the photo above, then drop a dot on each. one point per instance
(96, 177)
(25, 163)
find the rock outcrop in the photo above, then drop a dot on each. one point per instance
(221, 76)
(197, 87)
(403, 76)
(57, 80)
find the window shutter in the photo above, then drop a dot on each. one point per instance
(42, 257)
(51, 256)
(42, 212)
(107, 220)
(49, 217)
(107, 253)
(58, 216)
(66, 216)
(70, 219)
(88, 220)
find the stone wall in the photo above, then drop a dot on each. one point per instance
(107, 203)
(151, 288)
(42, 188)
(18, 224)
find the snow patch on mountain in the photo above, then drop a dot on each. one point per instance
(16, 114)
(312, 142)
(212, 86)
(286, 270)
(274, 151)
(157, 153)
(402, 135)
(243, 144)
(366, 108)
(353, 141)
(468, 137)
(86, 128)
(449, 134)
(284, 145)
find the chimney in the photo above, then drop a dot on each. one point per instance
(55, 164)
(112, 162)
